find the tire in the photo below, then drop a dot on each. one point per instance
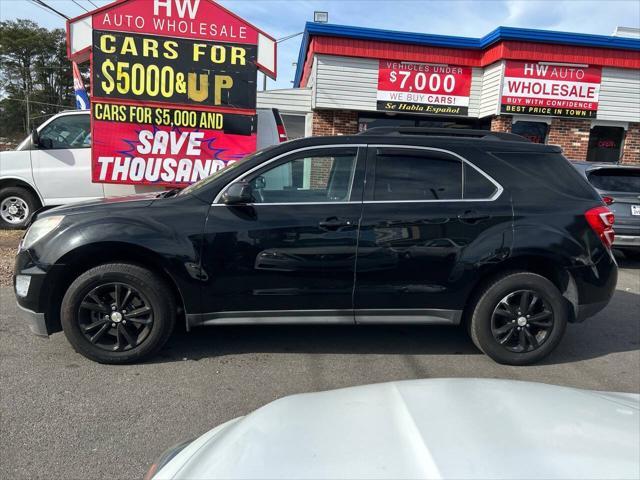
(17, 205)
(498, 329)
(125, 337)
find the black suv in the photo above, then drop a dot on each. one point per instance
(393, 226)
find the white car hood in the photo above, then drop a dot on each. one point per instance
(440, 428)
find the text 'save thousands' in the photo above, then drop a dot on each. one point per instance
(166, 146)
(423, 88)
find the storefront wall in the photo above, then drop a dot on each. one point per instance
(343, 89)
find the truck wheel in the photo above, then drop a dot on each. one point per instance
(17, 204)
(519, 318)
(118, 313)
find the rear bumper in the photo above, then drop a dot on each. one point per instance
(596, 284)
(587, 310)
(627, 241)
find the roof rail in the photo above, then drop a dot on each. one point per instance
(445, 132)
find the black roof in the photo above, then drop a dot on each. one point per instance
(440, 138)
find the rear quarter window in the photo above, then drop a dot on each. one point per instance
(551, 171)
(616, 180)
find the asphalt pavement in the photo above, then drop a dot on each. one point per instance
(62, 416)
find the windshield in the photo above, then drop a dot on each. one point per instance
(616, 180)
(205, 181)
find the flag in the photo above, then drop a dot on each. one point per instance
(82, 99)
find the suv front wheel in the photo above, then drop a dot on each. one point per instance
(519, 318)
(118, 313)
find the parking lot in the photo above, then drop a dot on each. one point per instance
(66, 417)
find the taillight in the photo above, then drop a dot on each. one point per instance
(282, 133)
(601, 221)
(608, 200)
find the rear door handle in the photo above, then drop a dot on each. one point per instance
(334, 223)
(473, 216)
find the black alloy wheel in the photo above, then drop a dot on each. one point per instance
(522, 321)
(518, 318)
(118, 313)
(115, 317)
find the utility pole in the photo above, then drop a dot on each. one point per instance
(26, 96)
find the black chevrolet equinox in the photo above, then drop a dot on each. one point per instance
(421, 226)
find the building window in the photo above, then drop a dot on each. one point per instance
(605, 144)
(534, 131)
(294, 125)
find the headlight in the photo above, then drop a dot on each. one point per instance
(39, 229)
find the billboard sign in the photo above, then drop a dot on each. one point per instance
(532, 88)
(165, 146)
(173, 88)
(423, 88)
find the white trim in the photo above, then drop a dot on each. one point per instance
(495, 196)
(609, 123)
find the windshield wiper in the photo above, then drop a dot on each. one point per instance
(170, 193)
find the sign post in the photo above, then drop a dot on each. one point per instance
(173, 88)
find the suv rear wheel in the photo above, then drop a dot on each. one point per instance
(118, 313)
(519, 318)
(17, 204)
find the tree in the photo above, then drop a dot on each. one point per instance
(36, 80)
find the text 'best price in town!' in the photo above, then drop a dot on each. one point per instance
(173, 90)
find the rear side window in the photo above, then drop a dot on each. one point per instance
(402, 174)
(476, 185)
(616, 180)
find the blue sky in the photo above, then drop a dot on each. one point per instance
(454, 17)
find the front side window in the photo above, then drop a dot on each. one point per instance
(309, 177)
(70, 131)
(416, 175)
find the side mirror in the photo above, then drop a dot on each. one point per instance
(238, 193)
(35, 138)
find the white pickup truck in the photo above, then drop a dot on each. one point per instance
(57, 170)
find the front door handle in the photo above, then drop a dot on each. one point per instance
(473, 216)
(334, 223)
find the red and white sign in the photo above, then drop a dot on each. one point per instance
(547, 89)
(424, 88)
(130, 153)
(173, 88)
(197, 19)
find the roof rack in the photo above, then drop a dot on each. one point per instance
(445, 132)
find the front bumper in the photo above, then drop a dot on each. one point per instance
(31, 284)
(35, 320)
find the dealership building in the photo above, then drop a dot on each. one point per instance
(579, 91)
